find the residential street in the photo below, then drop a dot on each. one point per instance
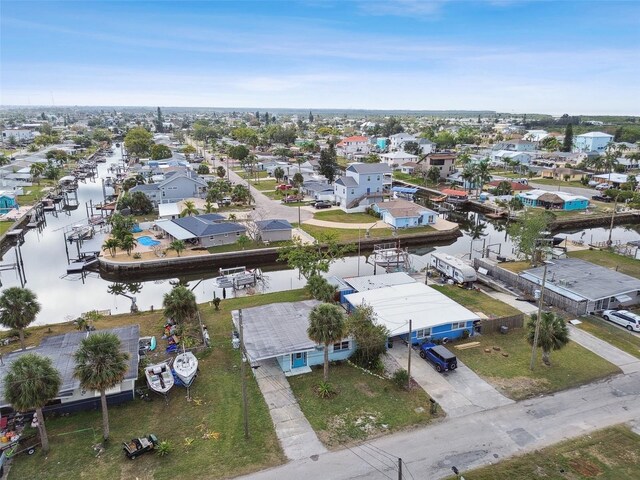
(478, 439)
(585, 192)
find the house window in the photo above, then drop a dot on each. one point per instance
(456, 325)
(343, 345)
(353, 191)
(368, 179)
(378, 177)
(423, 333)
(237, 234)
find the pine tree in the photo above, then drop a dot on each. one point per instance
(310, 117)
(567, 145)
(159, 122)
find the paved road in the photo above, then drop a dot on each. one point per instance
(475, 440)
(585, 192)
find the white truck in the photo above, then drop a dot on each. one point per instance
(453, 268)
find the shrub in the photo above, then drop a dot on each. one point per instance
(216, 303)
(163, 448)
(465, 334)
(325, 390)
(137, 255)
(401, 378)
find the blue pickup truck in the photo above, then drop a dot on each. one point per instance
(443, 360)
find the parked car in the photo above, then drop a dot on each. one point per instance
(226, 201)
(291, 199)
(138, 446)
(284, 186)
(601, 198)
(322, 204)
(628, 320)
(603, 186)
(441, 358)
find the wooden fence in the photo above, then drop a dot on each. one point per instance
(511, 322)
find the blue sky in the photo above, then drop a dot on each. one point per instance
(577, 57)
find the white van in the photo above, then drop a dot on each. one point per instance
(628, 320)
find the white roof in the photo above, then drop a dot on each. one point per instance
(168, 209)
(614, 177)
(371, 282)
(595, 135)
(425, 306)
(399, 154)
(535, 194)
(176, 231)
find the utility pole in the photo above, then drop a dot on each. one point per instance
(358, 251)
(409, 361)
(534, 348)
(399, 468)
(613, 217)
(244, 359)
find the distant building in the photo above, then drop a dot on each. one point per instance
(397, 141)
(515, 146)
(553, 200)
(592, 142)
(176, 186)
(8, 202)
(398, 158)
(444, 162)
(520, 157)
(401, 213)
(352, 145)
(362, 185)
(19, 135)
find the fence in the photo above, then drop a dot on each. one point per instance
(494, 324)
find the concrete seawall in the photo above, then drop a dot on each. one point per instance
(210, 263)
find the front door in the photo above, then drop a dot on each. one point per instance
(299, 360)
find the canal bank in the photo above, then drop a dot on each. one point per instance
(113, 270)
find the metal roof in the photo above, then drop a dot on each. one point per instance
(175, 230)
(272, 225)
(581, 280)
(347, 181)
(276, 329)
(371, 282)
(369, 168)
(61, 349)
(425, 306)
(201, 226)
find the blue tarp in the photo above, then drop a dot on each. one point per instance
(404, 189)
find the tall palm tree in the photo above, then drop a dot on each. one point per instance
(31, 382)
(101, 365)
(610, 159)
(208, 207)
(469, 175)
(483, 175)
(180, 304)
(37, 170)
(553, 333)
(177, 245)
(189, 209)
(327, 325)
(128, 243)
(18, 309)
(112, 245)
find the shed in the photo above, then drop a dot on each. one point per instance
(274, 230)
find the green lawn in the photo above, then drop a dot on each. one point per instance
(571, 366)
(268, 185)
(516, 267)
(610, 454)
(217, 408)
(5, 226)
(365, 406)
(245, 175)
(554, 182)
(612, 260)
(351, 234)
(343, 217)
(234, 247)
(31, 195)
(610, 333)
(477, 301)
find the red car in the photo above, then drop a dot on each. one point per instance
(284, 186)
(291, 199)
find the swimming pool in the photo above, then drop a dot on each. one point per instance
(147, 241)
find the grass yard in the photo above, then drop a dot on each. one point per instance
(266, 185)
(351, 234)
(365, 406)
(245, 175)
(516, 267)
(343, 217)
(32, 194)
(610, 333)
(477, 301)
(610, 454)
(215, 412)
(5, 226)
(554, 182)
(570, 367)
(234, 247)
(611, 260)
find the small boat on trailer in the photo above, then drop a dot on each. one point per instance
(159, 377)
(185, 366)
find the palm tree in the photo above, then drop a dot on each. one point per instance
(37, 169)
(278, 173)
(189, 209)
(483, 175)
(31, 382)
(469, 175)
(180, 304)
(327, 325)
(112, 245)
(18, 309)
(101, 365)
(177, 245)
(553, 333)
(610, 159)
(128, 243)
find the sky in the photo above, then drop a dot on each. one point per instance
(576, 57)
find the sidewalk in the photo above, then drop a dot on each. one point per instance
(296, 436)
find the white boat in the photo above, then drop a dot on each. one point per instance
(186, 366)
(390, 255)
(159, 377)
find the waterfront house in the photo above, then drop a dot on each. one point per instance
(274, 230)
(409, 168)
(279, 331)
(443, 161)
(362, 185)
(582, 287)
(8, 201)
(501, 156)
(397, 159)
(553, 200)
(352, 145)
(515, 146)
(592, 142)
(206, 230)
(397, 141)
(402, 213)
(176, 186)
(72, 397)
(563, 173)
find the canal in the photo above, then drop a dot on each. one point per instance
(65, 297)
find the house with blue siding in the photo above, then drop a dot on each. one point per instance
(362, 185)
(8, 202)
(433, 315)
(400, 213)
(553, 200)
(279, 331)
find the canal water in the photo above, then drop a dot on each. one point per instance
(65, 297)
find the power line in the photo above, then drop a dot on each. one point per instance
(372, 466)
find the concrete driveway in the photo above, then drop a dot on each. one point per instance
(624, 361)
(459, 393)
